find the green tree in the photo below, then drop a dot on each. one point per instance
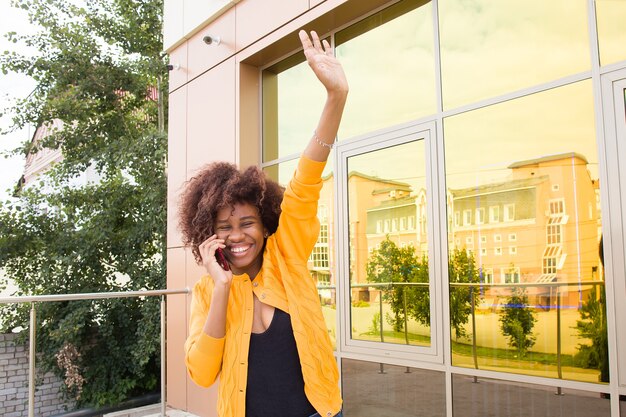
(462, 269)
(419, 299)
(517, 321)
(100, 77)
(392, 264)
(592, 325)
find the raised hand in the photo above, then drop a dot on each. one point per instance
(326, 67)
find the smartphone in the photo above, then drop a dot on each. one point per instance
(221, 259)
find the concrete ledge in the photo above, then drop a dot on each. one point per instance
(146, 410)
(153, 410)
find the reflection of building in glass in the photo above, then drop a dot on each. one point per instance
(319, 260)
(391, 206)
(367, 193)
(540, 226)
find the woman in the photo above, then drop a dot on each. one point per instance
(256, 320)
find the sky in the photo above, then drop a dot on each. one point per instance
(12, 86)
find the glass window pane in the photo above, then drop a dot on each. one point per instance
(322, 260)
(388, 245)
(611, 19)
(490, 47)
(389, 61)
(375, 390)
(490, 397)
(540, 308)
(292, 101)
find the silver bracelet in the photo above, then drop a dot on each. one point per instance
(319, 142)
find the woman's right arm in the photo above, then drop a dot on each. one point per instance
(204, 347)
(203, 352)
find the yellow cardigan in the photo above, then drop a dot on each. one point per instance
(283, 282)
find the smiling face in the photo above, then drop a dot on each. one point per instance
(244, 234)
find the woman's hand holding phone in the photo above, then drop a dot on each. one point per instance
(214, 261)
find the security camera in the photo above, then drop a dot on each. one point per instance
(211, 40)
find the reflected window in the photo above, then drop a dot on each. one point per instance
(488, 276)
(389, 278)
(491, 48)
(510, 276)
(480, 215)
(494, 214)
(509, 212)
(467, 217)
(397, 82)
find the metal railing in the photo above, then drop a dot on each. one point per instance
(473, 288)
(33, 300)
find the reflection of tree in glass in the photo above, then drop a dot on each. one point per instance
(462, 269)
(391, 264)
(592, 326)
(517, 321)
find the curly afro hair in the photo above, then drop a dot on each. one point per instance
(219, 185)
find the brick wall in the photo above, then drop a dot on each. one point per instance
(14, 383)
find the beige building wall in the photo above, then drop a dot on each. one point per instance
(214, 115)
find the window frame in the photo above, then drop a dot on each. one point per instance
(344, 150)
(613, 86)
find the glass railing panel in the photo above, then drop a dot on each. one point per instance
(67, 335)
(398, 304)
(535, 330)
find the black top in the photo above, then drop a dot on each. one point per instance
(275, 383)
